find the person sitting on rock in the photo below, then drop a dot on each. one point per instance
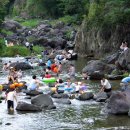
(60, 86)
(106, 86)
(12, 75)
(125, 82)
(69, 86)
(123, 46)
(34, 84)
(83, 88)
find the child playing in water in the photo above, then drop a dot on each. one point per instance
(10, 97)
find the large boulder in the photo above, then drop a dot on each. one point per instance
(124, 60)
(11, 25)
(101, 97)
(118, 103)
(96, 69)
(23, 106)
(111, 59)
(21, 66)
(85, 96)
(43, 101)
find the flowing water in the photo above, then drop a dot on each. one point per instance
(80, 115)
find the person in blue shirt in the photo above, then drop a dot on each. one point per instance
(125, 82)
(49, 63)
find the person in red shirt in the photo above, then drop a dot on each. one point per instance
(53, 66)
(47, 75)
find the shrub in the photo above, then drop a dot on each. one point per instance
(14, 50)
(37, 49)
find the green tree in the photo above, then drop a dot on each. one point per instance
(3, 10)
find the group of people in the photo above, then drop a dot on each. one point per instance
(60, 86)
(70, 87)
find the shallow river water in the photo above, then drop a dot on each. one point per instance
(80, 115)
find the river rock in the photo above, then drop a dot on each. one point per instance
(85, 96)
(118, 103)
(21, 65)
(43, 101)
(101, 97)
(23, 106)
(111, 59)
(96, 69)
(11, 25)
(115, 77)
(124, 60)
(60, 96)
(32, 92)
(62, 101)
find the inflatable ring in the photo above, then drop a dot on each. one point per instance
(12, 86)
(49, 80)
(1, 87)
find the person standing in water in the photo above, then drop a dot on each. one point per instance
(71, 70)
(10, 97)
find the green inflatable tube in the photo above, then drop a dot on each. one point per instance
(49, 80)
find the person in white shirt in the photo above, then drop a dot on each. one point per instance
(123, 46)
(34, 83)
(10, 97)
(106, 86)
(27, 44)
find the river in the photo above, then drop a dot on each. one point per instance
(80, 115)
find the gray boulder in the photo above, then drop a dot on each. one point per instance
(85, 96)
(96, 69)
(115, 77)
(60, 96)
(118, 103)
(21, 65)
(32, 92)
(111, 59)
(11, 25)
(62, 101)
(101, 97)
(124, 60)
(23, 106)
(43, 101)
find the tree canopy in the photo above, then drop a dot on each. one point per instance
(3, 10)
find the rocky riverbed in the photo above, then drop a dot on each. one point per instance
(75, 116)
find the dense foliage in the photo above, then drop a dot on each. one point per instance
(108, 13)
(3, 9)
(97, 12)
